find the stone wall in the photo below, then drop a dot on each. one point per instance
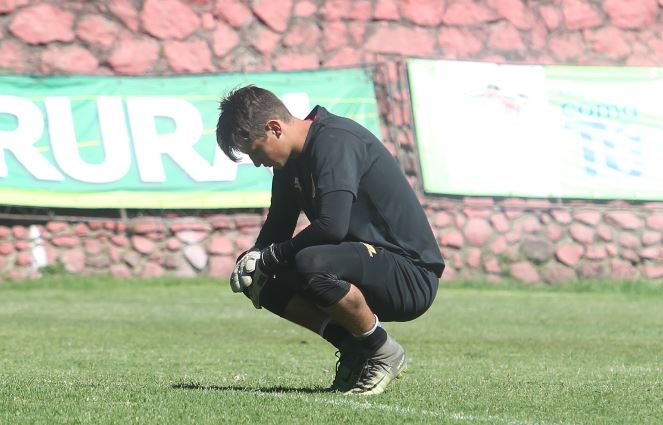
(530, 240)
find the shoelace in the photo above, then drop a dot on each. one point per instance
(369, 372)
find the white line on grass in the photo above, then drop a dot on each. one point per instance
(460, 417)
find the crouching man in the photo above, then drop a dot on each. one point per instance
(368, 256)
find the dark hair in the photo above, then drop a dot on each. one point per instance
(244, 113)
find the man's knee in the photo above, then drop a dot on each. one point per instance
(322, 285)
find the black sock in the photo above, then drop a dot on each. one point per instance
(375, 340)
(335, 334)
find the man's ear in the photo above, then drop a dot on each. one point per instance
(274, 126)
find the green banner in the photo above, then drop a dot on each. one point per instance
(487, 129)
(147, 142)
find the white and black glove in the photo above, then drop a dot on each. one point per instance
(241, 278)
(259, 278)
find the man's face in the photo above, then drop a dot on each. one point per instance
(268, 151)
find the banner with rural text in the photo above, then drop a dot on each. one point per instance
(147, 142)
(539, 131)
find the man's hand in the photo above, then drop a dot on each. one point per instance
(269, 259)
(240, 278)
(259, 279)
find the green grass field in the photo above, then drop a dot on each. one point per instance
(182, 352)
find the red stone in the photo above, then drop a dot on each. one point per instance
(569, 254)
(386, 10)
(551, 16)
(562, 216)
(477, 231)
(334, 36)
(23, 259)
(208, 21)
(120, 240)
(652, 271)
(611, 249)
(265, 41)
(120, 271)
(220, 266)
(302, 34)
(344, 57)
(515, 12)
(73, 260)
(22, 245)
(622, 270)
(593, 270)
(655, 221)
(152, 269)
(651, 238)
(609, 41)
(357, 29)
(81, 229)
(134, 56)
(589, 217)
(604, 232)
(623, 219)
(558, 274)
(143, 244)
(491, 265)
(423, 12)
(539, 37)
(234, 12)
(468, 12)
(6, 248)
(524, 272)
(442, 219)
(125, 10)
(274, 13)
(361, 10)
(220, 245)
(191, 236)
(580, 14)
(400, 40)
(244, 243)
(296, 61)
(513, 236)
(42, 24)
(8, 6)
(20, 232)
(452, 238)
(499, 222)
(566, 46)
(188, 56)
(528, 224)
(581, 233)
(634, 14)
(92, 246)
(169, 19)
(596, 252)
(459, 42)
(66, 241)
(97, 30)
(149, 225)
(474, 258)
(505, 37)
(68, 60)
(220, 222)
(336, 10)
(304, 8)
(651, 253)
(630, 255)
(628, 240)
(553, 232)
(12, 57)
(57, 226)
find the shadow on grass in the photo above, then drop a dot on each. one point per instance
(235, 388)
